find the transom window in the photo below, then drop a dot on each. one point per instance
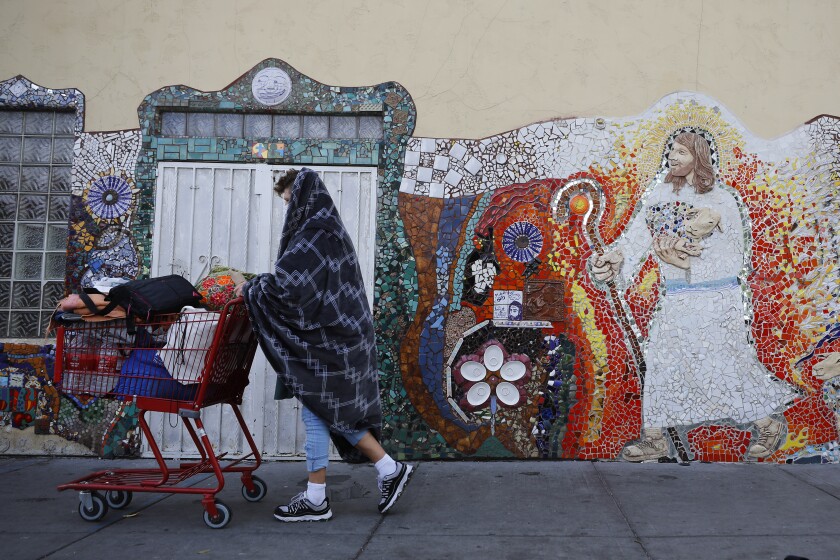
(237, 125)
(36, 156)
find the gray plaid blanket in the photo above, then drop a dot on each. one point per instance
(312, 318)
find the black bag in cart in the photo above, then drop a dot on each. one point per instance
(150, 297)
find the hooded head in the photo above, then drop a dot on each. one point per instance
(309, 206)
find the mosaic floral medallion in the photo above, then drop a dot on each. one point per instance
(109, 198)
(522, 241)
(492, 376)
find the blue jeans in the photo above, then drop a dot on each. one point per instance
(318, 440)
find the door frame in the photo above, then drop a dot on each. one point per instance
(254, 409)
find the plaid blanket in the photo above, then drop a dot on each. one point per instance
(312, 317)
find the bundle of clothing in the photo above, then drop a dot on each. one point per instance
(134, 350)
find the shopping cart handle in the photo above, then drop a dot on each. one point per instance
(189, 413)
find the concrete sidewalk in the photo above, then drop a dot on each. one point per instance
(459, 510)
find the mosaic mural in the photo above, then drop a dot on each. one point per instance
(36, 418)
(114, 174)
(662, 287)
(654, 288)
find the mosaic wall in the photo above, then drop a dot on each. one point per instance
(662, 287)
(114, 174)
(103, 205)
(38, 419)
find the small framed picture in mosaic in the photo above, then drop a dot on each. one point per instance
(544, 300)
(507, 305)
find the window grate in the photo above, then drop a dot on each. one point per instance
(36, 155)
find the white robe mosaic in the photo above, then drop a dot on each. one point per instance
(700, 363)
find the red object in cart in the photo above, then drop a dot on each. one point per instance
(177, 364)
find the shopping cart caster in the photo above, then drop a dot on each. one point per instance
(259, 491)
(91, 506)
(118, 499)
(222, 517)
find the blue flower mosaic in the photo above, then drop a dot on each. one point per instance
(109, 198)
(522, 241)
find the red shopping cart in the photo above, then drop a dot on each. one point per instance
(177, 364)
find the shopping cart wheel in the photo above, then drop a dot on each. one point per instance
(259, 492)
(92, 507)
(118, 499)
(221, 519)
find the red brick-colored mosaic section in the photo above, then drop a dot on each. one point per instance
(421, 216)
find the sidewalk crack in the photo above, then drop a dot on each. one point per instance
(375, 529)
(811, 484)
(609, 492)
(369, 537)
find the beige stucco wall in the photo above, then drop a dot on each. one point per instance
(473, 67)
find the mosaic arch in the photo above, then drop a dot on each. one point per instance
(660, 287)
(271, 96)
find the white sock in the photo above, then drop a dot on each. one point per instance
(385, 466)
(316, 493)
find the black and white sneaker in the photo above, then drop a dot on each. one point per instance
(392, 486)
(301, 509)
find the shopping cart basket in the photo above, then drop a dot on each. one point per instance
(178, 364)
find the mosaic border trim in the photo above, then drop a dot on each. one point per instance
(20, 93)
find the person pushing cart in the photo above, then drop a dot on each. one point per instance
(313, 321)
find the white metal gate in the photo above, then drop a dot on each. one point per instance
(221, 214)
